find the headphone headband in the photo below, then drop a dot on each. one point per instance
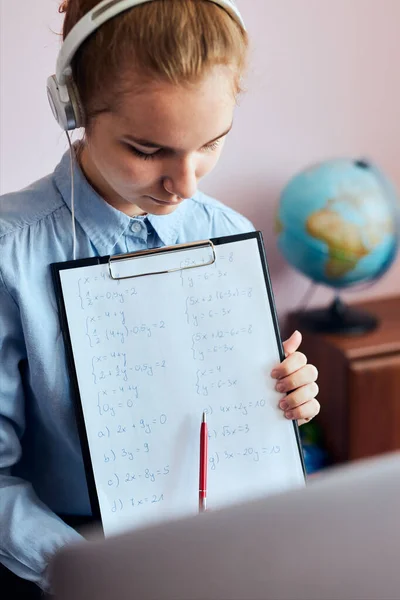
(62, 94)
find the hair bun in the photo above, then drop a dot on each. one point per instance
(63, 6)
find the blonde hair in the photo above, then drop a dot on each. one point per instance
(173, 40)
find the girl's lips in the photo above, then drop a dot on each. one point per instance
(166, 202)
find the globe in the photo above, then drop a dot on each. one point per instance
(337, 224)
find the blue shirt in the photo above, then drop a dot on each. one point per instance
(41, 467)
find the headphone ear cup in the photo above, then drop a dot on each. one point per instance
(76, 104)
(56, 104)
(68, 112)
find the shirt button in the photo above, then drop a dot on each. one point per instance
(136, 227)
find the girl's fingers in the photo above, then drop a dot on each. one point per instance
(299, 397)
(293, 343)
(305, 412)
(290, 365)
(304, 376)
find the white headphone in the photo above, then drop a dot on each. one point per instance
(61, 89)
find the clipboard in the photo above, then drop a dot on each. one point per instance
(136, 268)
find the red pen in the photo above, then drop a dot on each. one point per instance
(203, 464)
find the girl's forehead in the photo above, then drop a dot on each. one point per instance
(217, 83)
(168, 110)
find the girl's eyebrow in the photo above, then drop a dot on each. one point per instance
(153, 145)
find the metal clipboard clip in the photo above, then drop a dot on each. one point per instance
(163, 250)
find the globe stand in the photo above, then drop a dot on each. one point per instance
(338, 318)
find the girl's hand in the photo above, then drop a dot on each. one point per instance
(297, 379)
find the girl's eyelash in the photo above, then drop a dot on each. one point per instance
(145, 156)
(212, 146)
(142, 155)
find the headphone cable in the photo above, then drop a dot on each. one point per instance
(72, 158)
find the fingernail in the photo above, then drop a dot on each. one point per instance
(288, 415)
(280, 387)
(284, 405)
(275, 374)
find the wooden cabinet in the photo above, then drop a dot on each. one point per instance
(359, 380)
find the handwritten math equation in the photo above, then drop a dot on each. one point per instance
(119, 505)
(99, 330)
(114, 366)
(249, 452)
(244, 408)
(151, 475)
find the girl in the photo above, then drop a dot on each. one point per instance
(155, 89)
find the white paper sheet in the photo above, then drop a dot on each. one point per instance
(151, 355)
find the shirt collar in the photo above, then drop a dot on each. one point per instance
(167, 227)
(103, 224)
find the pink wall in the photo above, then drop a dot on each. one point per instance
(324, 81)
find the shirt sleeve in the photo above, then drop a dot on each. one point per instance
(30, 533)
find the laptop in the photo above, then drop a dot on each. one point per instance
(336, 539)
